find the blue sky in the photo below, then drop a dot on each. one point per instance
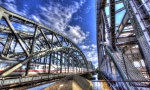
(73, 18)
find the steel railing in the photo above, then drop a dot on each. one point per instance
(25, 79)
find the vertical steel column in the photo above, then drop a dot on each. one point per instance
(57, 62)
(50, 60)
(61, 57)
(76, 67)
(65, 61)
(68, 60)
(68, 65)
(51, 56)
(45, 59)
(53, 60)
(32, 49)
(112, 23)
(73, 67)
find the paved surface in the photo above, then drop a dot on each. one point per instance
(72, 82)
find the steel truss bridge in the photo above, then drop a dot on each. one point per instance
(21, 50)
(121, 46)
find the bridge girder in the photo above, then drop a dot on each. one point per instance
(125, 43)
(26, 47)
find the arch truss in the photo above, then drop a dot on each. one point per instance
(25, 44)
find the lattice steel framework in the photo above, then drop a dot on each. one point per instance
(40, 45)
(120, 46)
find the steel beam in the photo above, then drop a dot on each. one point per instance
(123, 40)
(16, 35)
(106, 24)
(140, 23)
(61, 59)
(32, 49)
(117, 11)
(112, 22)
(36, 45)
(130, 31)
(116, 2)
(122, 25)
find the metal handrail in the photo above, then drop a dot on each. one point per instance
(23, 79)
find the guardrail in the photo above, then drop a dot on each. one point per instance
(6, 81)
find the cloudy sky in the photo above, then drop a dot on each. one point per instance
(73, 18)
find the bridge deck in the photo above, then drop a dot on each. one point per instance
(18, 81)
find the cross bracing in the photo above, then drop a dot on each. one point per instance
(37, 47)
(123, 41)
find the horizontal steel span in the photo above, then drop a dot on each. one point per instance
(37, 47)
(12, 82)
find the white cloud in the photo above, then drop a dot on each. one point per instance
(91, 55)
(87, 10)
(93, 46)
(11, 5)
(56, 16)
(53, 15)
(89, 47)
(79, 18)
(35, 18)
(84, 47)
(76, 34)
(82, 2)
(90, 51)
